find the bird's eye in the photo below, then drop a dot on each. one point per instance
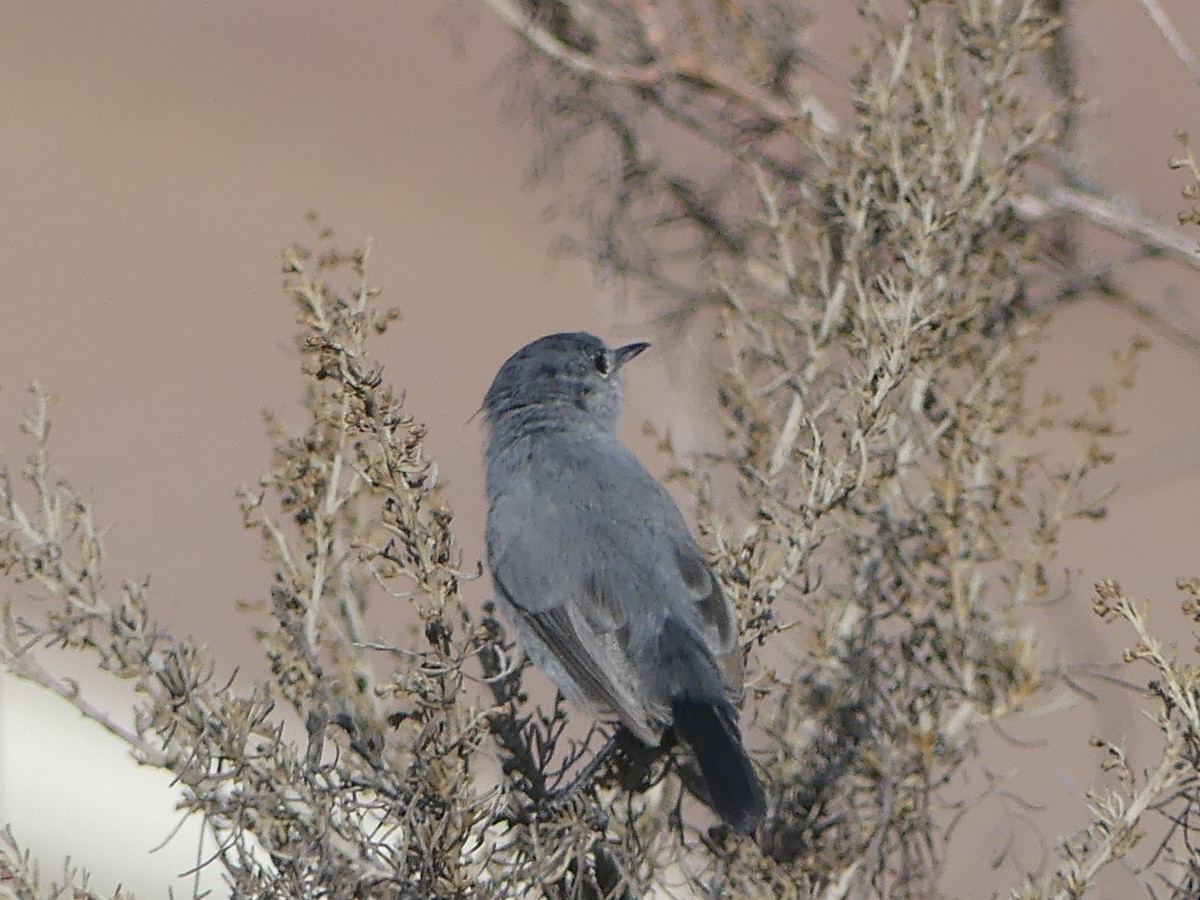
(601, 362)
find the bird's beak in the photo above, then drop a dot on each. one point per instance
(624, 354)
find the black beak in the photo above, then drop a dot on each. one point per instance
(624, 354)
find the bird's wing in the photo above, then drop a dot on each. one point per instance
(592, 558)
(716, 612)
(553, 582)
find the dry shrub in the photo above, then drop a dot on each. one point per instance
(879, 288)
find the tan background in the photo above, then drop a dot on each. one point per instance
(156, 156)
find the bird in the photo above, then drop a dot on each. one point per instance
(597, 572)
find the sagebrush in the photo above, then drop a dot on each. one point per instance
(884, 506)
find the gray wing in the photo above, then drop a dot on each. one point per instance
(587, 660)
(717, 619)
(590, 559)
(550, 577)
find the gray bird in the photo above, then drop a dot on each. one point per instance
(595, 568)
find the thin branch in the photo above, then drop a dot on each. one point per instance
(25, 667)
(1178, 45)
(1172, 332)
(580, 63)
(682, 68)
(1111, 216)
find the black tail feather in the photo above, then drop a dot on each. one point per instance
(735, 791)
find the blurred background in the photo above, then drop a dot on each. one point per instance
(156, 158)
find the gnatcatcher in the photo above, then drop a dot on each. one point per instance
(595, 568)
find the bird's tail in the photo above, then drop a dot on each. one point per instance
(710, 730)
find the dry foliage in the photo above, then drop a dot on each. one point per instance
(879, 286)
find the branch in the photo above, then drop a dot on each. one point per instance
(1180, 47)
(1119, 219)
(682, 68)
(28, 669)
(575, 60)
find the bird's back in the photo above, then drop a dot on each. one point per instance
(582, 524)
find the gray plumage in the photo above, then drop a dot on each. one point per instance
(596, 570)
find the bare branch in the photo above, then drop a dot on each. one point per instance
(1174, 39)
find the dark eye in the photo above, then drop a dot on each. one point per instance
(600, 360)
